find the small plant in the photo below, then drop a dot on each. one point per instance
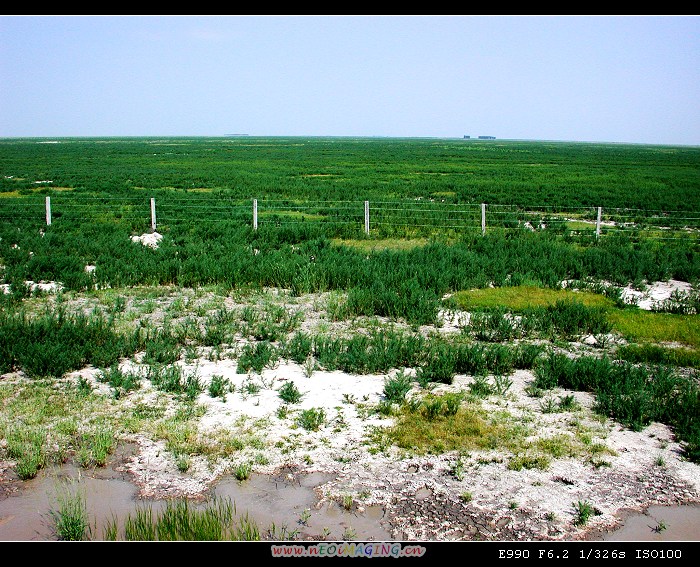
(568, 403)
(242, 471)
(304, 517)
(466, 497)
(481, 387)
(309, 366)
(71, 518)
(218, 387)
(513, 505)
(660, 526)
(548, 405)
(457, 469)
(396, 388)
(290, 393)
(584, 510)
(347, 501)
(182, 462)
(349, 534)
(551, 516)
(312, 419)
(501, 384)
(660, 462)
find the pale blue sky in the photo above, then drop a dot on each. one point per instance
(612, 79)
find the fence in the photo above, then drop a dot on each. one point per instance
(380, 218)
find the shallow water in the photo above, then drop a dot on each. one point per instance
(280, 505)
(660, 523)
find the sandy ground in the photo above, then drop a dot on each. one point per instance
(425, 497)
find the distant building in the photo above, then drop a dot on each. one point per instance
(487, 137)
(467, 137)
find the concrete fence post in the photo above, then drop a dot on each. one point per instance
(483, 219)
(48, 210)
(597, 224)
(255, 214)
(366, 217)
(153, 214)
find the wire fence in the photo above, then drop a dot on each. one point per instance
(375, 218)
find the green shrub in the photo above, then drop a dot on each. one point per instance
(290, 393)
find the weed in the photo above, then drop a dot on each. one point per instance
(219, 386)
(568, 403)
(660, 526)
(70, 519)
(290, 393)
(583, 512)
(305, 516)
(312, 419)
(548, 405)
(501, 384)
(466, 497)
(242, 471)
(480, 387)
(396, 388)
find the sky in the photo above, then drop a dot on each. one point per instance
(620, 79)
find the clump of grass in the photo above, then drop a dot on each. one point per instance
(396, 388)
(257, 356)
(27, 447)
(181, 520)
(528, 461)
(480, 387)
(95, 446)
(219, 387)
(290, 393)
(583, 512)
(242, 471)
(312, 419)
(70, 517)
(436, 425)
(172, 379)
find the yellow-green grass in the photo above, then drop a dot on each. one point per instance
(580, 225)
(637, 325)
(519, 298)
(469, 429)
(382, 244)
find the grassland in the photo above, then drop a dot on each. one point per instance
(310, 288)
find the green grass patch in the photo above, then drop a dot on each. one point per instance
(379, 245)
(520, 298)
(646, 326)
(655, 354)
(436, 426)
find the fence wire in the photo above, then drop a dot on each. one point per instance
(372, 217)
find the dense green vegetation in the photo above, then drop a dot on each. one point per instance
(342, 169)
(425, 241)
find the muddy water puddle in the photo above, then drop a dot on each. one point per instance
(660, 523)
(282, 508)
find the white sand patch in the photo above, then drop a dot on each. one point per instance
(151, 239)
(43, 287)
(654, 293)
